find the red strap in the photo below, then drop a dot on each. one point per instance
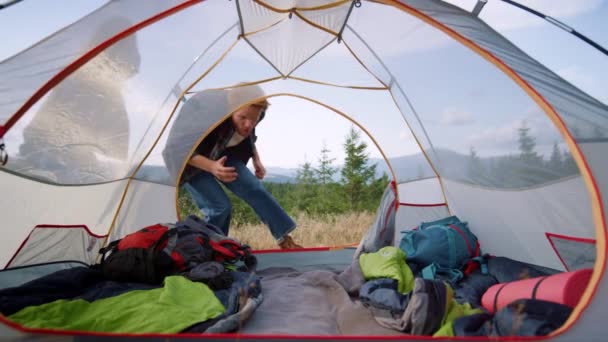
(470, 267)
(466, 241)
(178, 260)
(2, 131)
(221, 249)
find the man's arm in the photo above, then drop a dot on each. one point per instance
(260, 170)
(215, 167)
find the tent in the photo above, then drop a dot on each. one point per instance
(85, 115)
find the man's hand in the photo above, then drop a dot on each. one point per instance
(226, 174)
(260, 170)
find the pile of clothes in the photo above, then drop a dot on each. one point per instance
(401, 299)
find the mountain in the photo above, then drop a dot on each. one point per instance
(278, 178)
(409, 167)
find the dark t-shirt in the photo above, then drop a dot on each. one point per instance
(242, 151)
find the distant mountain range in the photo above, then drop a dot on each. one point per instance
(410, 167)
(501, 171)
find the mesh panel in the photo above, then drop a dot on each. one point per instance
(558, 50)
(584, 116)
(26, 72)
(58, 243)
(479, 135)
(289, 43)
(90, 126)
(575, 253)
(346, 70)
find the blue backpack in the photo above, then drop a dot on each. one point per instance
(441, 248)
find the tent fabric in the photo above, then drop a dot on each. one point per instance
(415, 70)
(36, 203)
(382, 230)
(525, 216)
(409, 217)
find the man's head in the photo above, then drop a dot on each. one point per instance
(246, 118)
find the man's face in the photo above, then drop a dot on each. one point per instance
(246, 118)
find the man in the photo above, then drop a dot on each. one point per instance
(222, 157)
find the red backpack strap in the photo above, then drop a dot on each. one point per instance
(229, 250)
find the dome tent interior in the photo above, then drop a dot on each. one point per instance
(424, 76)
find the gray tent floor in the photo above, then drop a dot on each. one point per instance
(302, 297)
(309, 303)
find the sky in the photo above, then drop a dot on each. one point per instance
(452, 95)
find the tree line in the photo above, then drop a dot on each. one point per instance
(316, 191)
(526, 168)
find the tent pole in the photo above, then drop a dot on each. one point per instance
(354, 3)
(478, 7)
(560, 25)
(238, 11)
(8, 3)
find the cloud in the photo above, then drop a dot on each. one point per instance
(405, 134)
(503, 139)
(451, 117)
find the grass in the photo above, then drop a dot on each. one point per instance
(338, 230)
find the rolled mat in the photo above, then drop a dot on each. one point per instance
(564, 288)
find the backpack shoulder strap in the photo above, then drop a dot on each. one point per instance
(434, 271)
(109, 248)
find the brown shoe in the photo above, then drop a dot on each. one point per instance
(288, 243)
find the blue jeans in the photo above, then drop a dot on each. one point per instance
(216, 208)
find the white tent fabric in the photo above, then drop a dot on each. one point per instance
(87, 113)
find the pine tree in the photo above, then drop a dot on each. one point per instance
(306, 174)
(326, 170)
(356, 174)
(476, 168)
(555, 163)
(306, 191)
(569, 164)
(527, 145)
(528, 169)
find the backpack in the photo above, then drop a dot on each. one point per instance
(441, 248)
(154, 252)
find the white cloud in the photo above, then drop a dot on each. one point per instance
(405, 135)
(503, 139)
(452, 116)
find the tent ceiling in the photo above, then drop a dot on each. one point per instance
(286, 40)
